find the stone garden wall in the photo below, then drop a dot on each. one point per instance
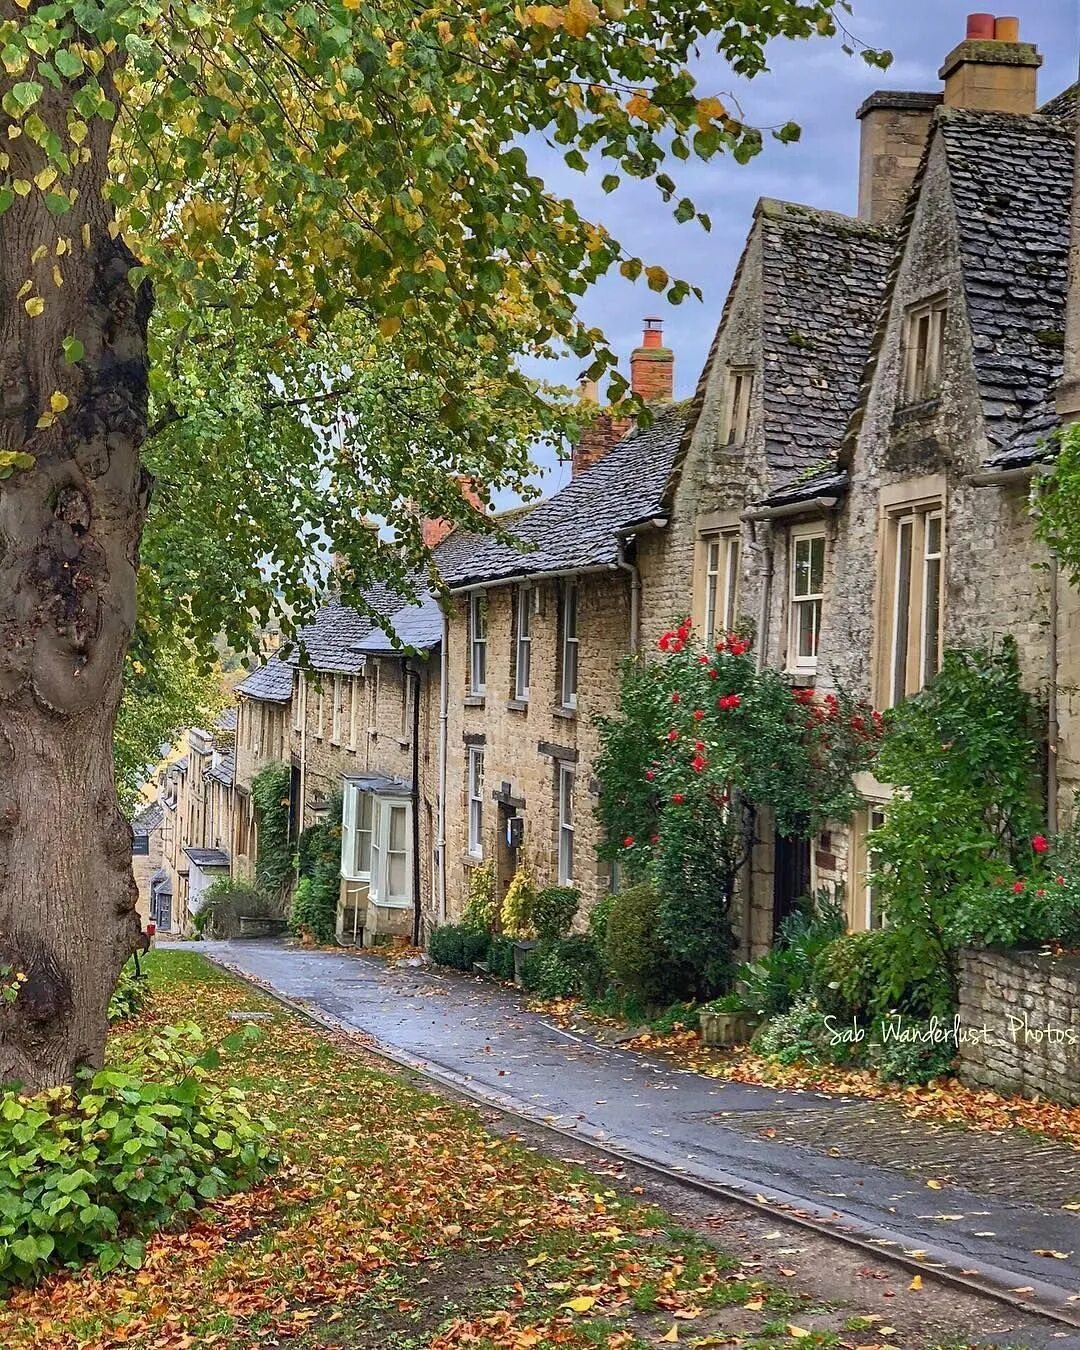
(1020, 1021)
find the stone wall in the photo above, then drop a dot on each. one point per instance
(1029, 1004)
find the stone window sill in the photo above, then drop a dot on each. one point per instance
(520, 705)
(569, 714)
(916, 412)
(474, 700)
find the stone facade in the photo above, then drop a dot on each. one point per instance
(1029, 1004)
(198, 802)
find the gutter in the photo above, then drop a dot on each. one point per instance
(1003, 477)
(823, 504)
(635, 598)
(525, 578)
(444, 715)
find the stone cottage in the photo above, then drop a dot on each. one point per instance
(263, 702)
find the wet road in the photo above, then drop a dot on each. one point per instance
(476, 1035)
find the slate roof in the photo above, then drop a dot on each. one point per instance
(1011, 180)
(1063, 105)
(227, 720)
(270, 683)
(828, 482)
(148, 819)
(224, 771)
(578, 527)
(207, 857)
(823, 281)
(332, 640)
(418, 626)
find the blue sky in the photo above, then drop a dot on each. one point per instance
(816, 85)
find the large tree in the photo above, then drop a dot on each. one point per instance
(283, 258)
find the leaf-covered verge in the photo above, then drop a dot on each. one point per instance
(397, 1221)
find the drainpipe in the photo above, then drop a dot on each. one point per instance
(302, 687)
(635, 598)
(1052, 703)
(417, 684)
(766, 598)
(444, 715)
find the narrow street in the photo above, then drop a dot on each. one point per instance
(855, 1166)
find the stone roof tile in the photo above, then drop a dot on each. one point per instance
(270, 683)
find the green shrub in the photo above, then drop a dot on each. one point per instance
(129, 997)
(774, 982)
(223, 904)
(634, 955)
(457, 947)
(679, 1017)
(1003, 916)
(480, 909)
(86, 1172)
(795, 1036)
(598, 921)
(564, 968)
(519, 905)
(913, 1061)
(500, 957)
(271, 789)
(849, 978)
(554, 911)
(314, 908)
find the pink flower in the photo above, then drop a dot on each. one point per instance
(628, 842)
(654, 838)
(1040, 843)
(678, 798)
(1060, 881)
(1018, 888)
(673, 735)
(699, 713)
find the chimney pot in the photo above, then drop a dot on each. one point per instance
(1007, 29)
(980, 27)
(652, 365)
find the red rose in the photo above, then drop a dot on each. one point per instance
(677, 644)
(1018, 888)
(676, 697)
(703, 660)
(1039, 843)
(728, 701)
(698, 763)
(665, 642)
(678, 798)
(654, 839)
(673, 735)
(649, 775)
(714, 674)
(1060, 881)
(698, 714)
(738, 646)
(721, 646)
(628, 842)
(699, 746)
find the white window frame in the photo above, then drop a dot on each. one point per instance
(478, 638)
(567, 775)
(357, 813)
(722, 557)
(797, 599)
(299, 702)
(872, 818)
(912, 565)
(474, 793)
(924, 341)
(569, 647)
(335, 711)
(523, 643)
(320, 709)
(354, 705)
(738, 391)
(385, 809)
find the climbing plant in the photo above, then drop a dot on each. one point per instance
(270, 799)
(314, 906)
(701, 742)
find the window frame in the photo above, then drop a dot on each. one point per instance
(478, 641)
(922, 363)
(861, 910)
(808, 534)
(566, 776)
(320, 709)
(336, 709)
(907, 646)
(300, 701)
(354, 707)
(569, 646)
(524, 601)
(721, 582)
(474, 801)
(371, 814)
(738, 393)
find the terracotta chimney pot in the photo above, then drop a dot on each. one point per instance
(652, 365)
(980, 27)
(1007, 30)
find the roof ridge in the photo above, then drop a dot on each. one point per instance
(782, 211)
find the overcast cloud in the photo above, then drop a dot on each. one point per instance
(816, 85)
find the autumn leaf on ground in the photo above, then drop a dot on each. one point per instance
(672, 1335)
(916, 1283)
(797, 1333)
(934, 1185)
(580, 1304)
(1049, 1251)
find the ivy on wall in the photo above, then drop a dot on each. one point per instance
(274, 860)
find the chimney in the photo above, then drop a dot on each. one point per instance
(992, 70)
(652, 365)
(435, 531)
(603, 432)
(893, 131)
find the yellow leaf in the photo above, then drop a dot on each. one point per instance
(34, 306)
(535, 1260)
(58, 401)
(708, 110)
(673, 1334)
(934, 1185)
(45, 420)
(38, 253)
(916, 1283)
(389, 325)
(639, 105)
(57, 276)
(25, 289)
(580, 1304)
(85, 234)
(20, 187)
(544, 16)
(46, 178)
(1049, 1251)
(351, 4)
(797, 1333)
(579, 16)
(755, 1304)
(656, 277)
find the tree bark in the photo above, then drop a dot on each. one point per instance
(69, 537)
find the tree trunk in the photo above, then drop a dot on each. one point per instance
(69, 536)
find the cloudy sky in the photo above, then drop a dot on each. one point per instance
(816, 85)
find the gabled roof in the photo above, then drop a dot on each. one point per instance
(418, 626)
(578, 528)
(1011, 179)
(270, 683)
(207, 857)
(332, 641)
(227, 720)
(823, 279)
(224, 771)
(148, 819)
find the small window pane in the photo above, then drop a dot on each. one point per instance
(397, 829)
(901, 626)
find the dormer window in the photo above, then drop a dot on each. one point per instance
(740, 383)
(924, 334)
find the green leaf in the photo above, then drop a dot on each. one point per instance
(74, 351)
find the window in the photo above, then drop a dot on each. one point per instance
(478, 643)
(740, 384)
(375, 835)
(867, 910)
(476, 802)
(354, 703)
(915, 580)
(298, 703)
(523, 643)
(566, 825)
(320, 711)
(335, 711)
(721, 585)
(923, 338)
(406, 683)
(569, 647)
(807, 591)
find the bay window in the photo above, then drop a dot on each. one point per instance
(376, 830)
